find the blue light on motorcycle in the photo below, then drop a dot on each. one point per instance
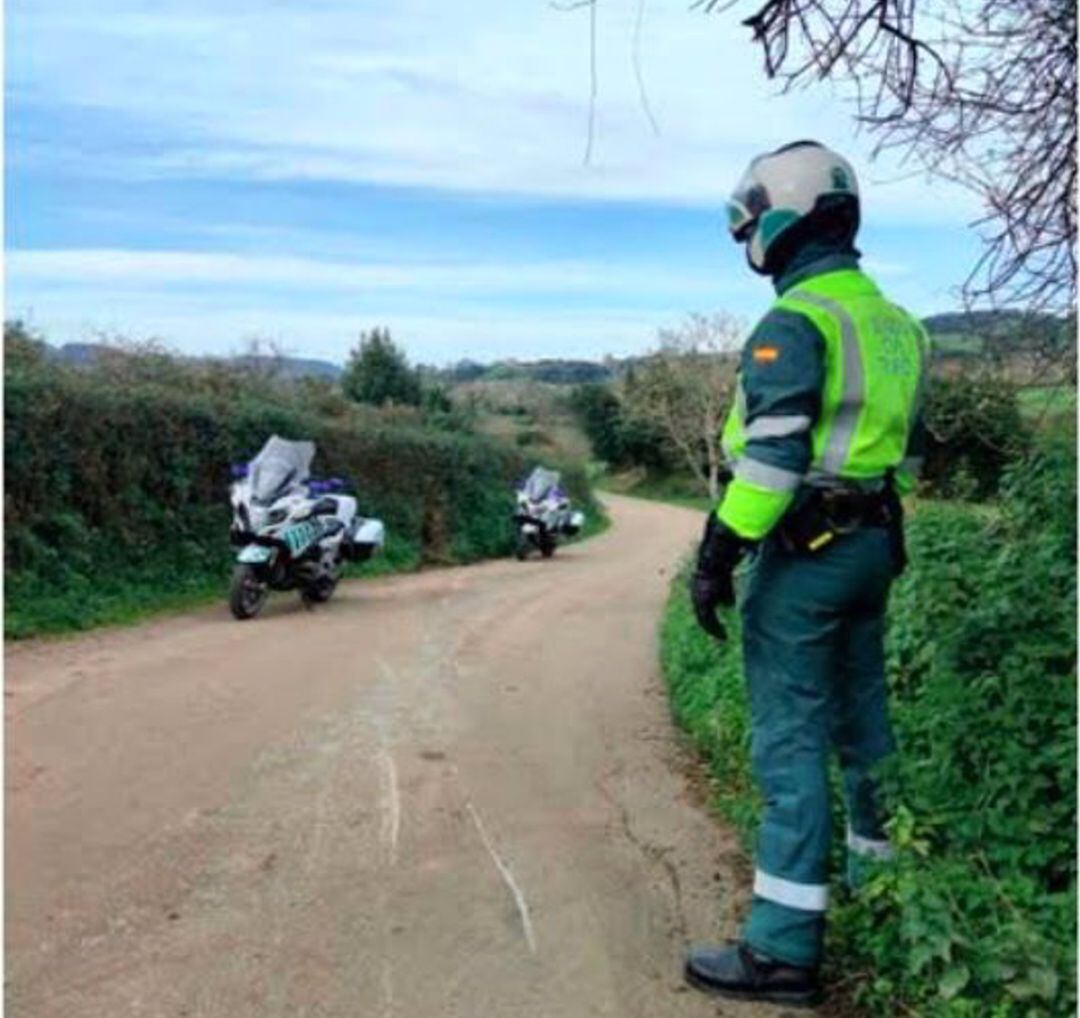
(238, 471)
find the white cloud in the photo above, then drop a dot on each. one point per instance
(441, 310)
(125, 268)
(432, 338)
(205, 301)
(487, 96)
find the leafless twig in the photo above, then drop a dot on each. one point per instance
(982, 93)
(643, 94)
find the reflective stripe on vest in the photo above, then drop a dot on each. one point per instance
(842, 435)
(766, 476)
(778, 426)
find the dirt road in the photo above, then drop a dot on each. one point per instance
(454, 793)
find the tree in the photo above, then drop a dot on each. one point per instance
(600, 413)
(685, 388)
(22, 346)
(982, 92)
(618, 438)
(378, 372)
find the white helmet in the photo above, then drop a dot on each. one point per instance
(780, 190)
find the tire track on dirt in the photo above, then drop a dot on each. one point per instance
(449, 794)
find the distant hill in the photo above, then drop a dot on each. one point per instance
(999, 334)
(991, 322)
(550, 371)
(78, 354)
(83, 354)
(554, 372)
(294, 367)
(954, 334)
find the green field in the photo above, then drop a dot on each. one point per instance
(1042, 402)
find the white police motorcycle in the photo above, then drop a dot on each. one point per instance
(542, 515)
(293, 532)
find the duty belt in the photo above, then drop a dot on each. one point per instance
(847, 509)
(821, 515)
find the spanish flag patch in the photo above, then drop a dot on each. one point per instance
(765, 354)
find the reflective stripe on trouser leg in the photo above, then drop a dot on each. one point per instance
(863, 856)
(805, 897)
(871, 848)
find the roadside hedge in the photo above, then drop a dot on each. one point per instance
(977, 915)
(974, 429)
(117, 478)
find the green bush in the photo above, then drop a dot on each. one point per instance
(535, 437)
(117, 476)
(975, 428)
(977, 916)
(617, 438)
(379, 373)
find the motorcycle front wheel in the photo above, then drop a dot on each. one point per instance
(521, 546)
(321, 590)
(247, 593)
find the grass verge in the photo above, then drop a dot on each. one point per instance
(977, 915)
(675, 489)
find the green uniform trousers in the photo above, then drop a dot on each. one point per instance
(813, 628)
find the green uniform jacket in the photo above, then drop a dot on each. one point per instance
(830, 392)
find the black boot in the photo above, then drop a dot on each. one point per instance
(738, 972)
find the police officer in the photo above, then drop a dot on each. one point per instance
(822, 440)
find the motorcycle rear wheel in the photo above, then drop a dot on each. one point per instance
(247, 594)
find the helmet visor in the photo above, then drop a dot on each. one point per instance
(745, 206)
(740, 221)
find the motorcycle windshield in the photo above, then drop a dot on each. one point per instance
(540, 484)
(280, 467)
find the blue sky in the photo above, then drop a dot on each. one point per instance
(295, 171)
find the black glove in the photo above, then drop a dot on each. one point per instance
(711, 585)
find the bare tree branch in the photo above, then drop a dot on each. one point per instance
(643, 94)
(592, 82)
(982, 92)
(685, 387)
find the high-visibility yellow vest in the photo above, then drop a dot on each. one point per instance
(876, 357)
